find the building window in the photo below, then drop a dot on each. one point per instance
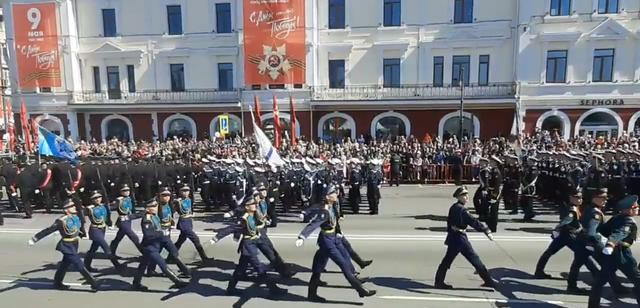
(603, 65)
(174, 19)
(463, 11)
(177, 77)
(390, 127)
(560, 7)
(607, 6)
(336, 130)
(118, 129)
(179, 128)
(96, 79)
(131, 78)
(392, 13)
(113, 82)
(223, 17)
(460, 69)
(556, 66)
(225, 76)
(336, 74)
(438, 71)
(109, 22)
(483, 70)
(336, 14)
(391, 68)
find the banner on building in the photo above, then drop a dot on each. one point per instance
(35, 28)
(274, 42)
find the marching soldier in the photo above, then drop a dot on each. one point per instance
(70, 229)
(511, 185)
(565, 234)
(481, 196)
(494, 195)
(374, 180)
(99, 217)
(249, 246)
(152, 239)
(330, 247)
(457, 242)
(620, 233)
(184, 207)
(266, 214)
(126, 213)
(165, 212)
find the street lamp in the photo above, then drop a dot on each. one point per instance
(461, 118)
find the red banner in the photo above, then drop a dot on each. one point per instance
(35, 27)
(274, 42)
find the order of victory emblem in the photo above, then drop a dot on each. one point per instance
(274, 62)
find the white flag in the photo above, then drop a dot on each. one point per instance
(266, 148)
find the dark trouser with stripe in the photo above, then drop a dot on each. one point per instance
(461, 246)
(98, 241)
(622, 260)
(124, 228)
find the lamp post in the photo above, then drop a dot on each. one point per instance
(461, 118)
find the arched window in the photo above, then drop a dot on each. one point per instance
(180, 126)
(117, 126)
(51, 123)
(390, 125)
(335, 127)
(285, 124)
(555, 121)
(449, 125)
(599, 124)
(119, 129)
(235, 126)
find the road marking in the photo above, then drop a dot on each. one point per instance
(472, 300)
(354, 237)
(16, 281)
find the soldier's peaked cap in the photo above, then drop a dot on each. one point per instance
(628, 202)
(462, 190)
(330, 189)
(68, 203)
(95, 194)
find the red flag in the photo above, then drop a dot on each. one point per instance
(26, 132)
(292, 121)
(276, 124)
(11, 127)
(256, 102)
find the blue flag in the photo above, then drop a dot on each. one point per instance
(50, 144)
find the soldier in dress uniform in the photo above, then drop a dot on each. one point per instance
(330, 247)
(374, 180)
(248, 249)
(481, 196)
(565, 235)
(184, 207)
(266, 214)
(592, 240)
(396, 165)
(619, 233)
(99, 217)
(126, 213)
(165, 212)
(494, 194)
(457, 242)
(70, 230)
(355, 180)
(528, 189)
(511, 184)
(152, 239)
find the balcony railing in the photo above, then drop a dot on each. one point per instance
(158, 97)
(412, 92)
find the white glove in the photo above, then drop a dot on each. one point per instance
(299, 242)
(214, 239)
(37, 191)
(589, 248)
(271, 200)
(292, 184)
(490, 236)
(227, 215)
(607, 251)
(31, 242)
(301, 216)
(555, 234)
(111, 228)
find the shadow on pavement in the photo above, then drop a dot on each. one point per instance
(508, 286)
(537, 230)
(38, 284)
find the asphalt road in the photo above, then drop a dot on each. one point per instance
(405, 241)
